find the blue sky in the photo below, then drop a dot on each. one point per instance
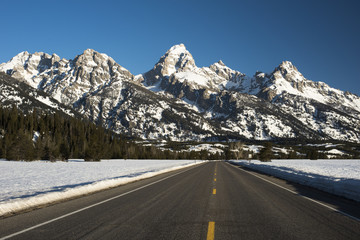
(320, 37)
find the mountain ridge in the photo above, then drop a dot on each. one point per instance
(176, 96)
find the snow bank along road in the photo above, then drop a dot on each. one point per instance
(31, 184)
(214, 200)
(339, 177)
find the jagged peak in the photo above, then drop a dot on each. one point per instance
(21, 55)
(287, 65)
(176, 58)
(89, 51)
(25, 55)
(92, 52)
(221, 63)
(91, 57)
(18, 60)
(218, 65)
(177, 49)
(178, 52)
(288, 71)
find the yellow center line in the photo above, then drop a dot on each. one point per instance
(214, 191)
(211, 231)
(215, 179)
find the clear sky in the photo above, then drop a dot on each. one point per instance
(320, 37)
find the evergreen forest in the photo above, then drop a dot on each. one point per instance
(40, 135)
(56, 136)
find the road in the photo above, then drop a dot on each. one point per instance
(207, 201)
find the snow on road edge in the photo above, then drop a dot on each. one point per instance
(345, 187)
(47, 198)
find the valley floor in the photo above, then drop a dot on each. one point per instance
(29, 184)
(215, 200)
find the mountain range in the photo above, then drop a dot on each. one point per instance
(179, 101)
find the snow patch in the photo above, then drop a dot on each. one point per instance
(192, 77)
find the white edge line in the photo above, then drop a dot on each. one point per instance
(93, 205)
(308, 198)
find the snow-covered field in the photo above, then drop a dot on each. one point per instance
(340, 177)
(29, 184)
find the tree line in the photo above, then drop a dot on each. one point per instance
(56, 136)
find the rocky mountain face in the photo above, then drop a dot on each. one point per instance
(16, 93)
(176, 100)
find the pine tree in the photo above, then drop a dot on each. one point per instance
(1, 148)
(292, 155)
(64, 151)
(21, 149)
(228, 154)
(312, 154)
(266, 153)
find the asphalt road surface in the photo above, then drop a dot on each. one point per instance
(209, 201)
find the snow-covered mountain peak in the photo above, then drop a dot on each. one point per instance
(19, 59)
(177, 58)
(287, 71)
(287, 65)
(21, 56)
(89, 51)
(25, 66)
(286, 81)
(177, 49)
(66, 80)
(221, 63)
(92, 53)
(92, 58)
(24, 58)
